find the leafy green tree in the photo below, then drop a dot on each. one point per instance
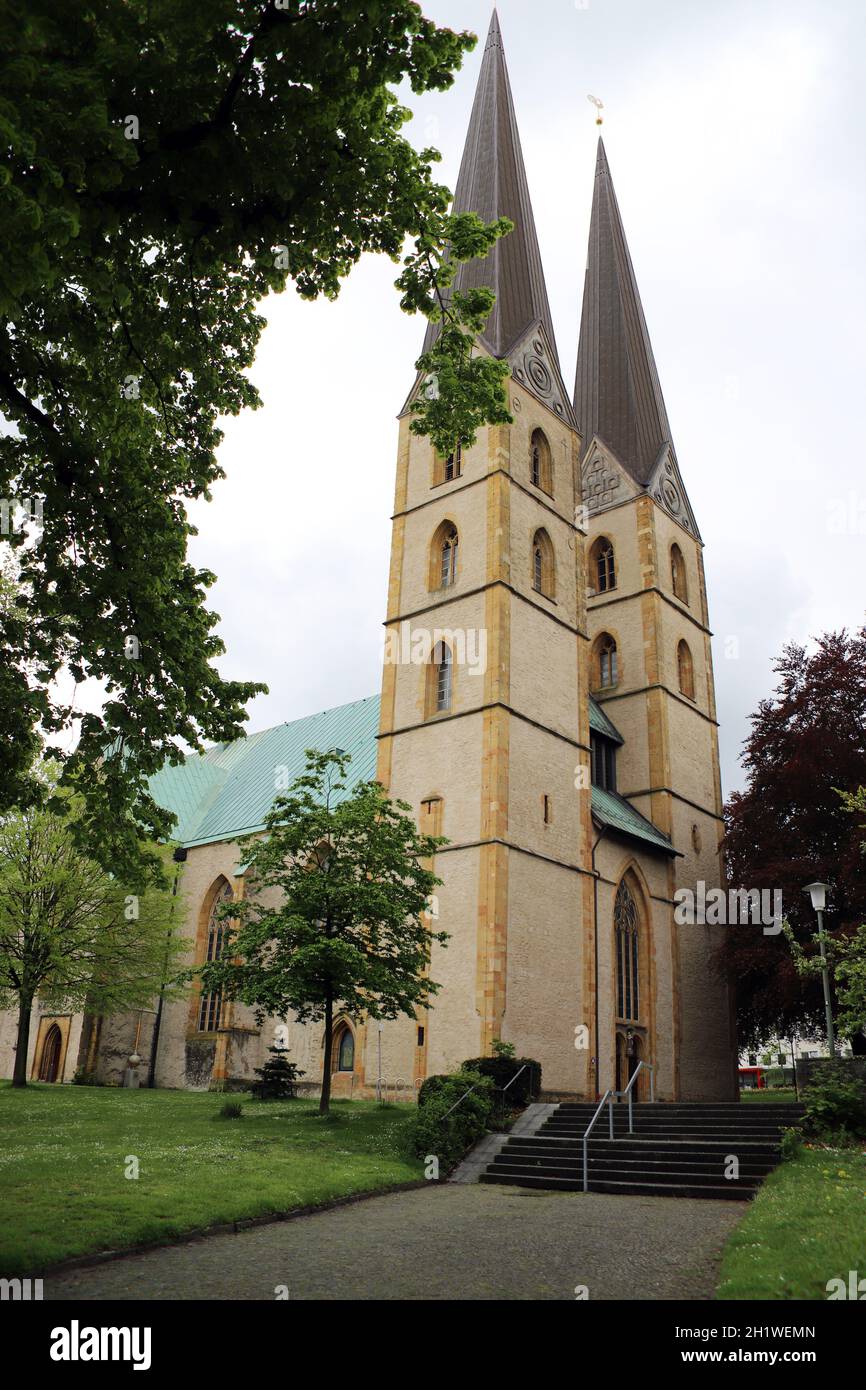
(334, 921)
(168, 163)
(70, 934)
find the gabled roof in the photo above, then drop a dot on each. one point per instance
(228, 791)
(613, 811)
(599, 722)
(617, 393)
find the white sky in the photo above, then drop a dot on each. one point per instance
(735, 133)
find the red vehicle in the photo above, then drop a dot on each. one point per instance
(752, 1078)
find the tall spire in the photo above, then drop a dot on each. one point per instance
(617, 394)
(492, 182)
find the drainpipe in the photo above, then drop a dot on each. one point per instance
(179, 857)
(595, 877)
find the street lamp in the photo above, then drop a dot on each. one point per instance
(818, 894)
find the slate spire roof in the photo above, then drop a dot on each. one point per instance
(493, 183)
(617, 394)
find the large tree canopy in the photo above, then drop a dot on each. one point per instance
(167, 163)
(791, 826)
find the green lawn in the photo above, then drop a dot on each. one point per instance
(64, 1151)
(780, 1096)
(806, 1226)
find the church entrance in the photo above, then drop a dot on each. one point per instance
(630, 1049)
(49, 1063)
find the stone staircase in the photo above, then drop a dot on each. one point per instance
(677, 1150)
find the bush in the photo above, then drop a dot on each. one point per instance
(448, 1136)
(502, 1069)
(791, 1142)
(834, 1102)
(85, 1078)
(232, 1110)
(433, 1085)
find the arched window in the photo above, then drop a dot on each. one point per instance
(602, 566)
(678, 574)
(627, 946)
(540, 462)
(443, 556)
(210, 1004)
(439, 681)
(543, 565)
(685, 670)
(344, 1049)
(605, 665)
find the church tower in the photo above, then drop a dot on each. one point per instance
(650, 658)
(484, 716)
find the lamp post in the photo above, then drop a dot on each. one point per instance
(818, 894)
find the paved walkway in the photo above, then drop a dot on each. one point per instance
(449, 1242)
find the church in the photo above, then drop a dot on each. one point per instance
(560, 731)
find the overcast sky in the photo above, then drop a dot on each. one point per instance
(735, 134)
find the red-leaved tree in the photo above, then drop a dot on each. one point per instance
(790, 827)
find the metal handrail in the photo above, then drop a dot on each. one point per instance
(628, 1091)
(607, 1099)
(514, 1077)
(475, 1088)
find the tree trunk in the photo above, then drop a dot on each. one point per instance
(25, 1006)
(325, 1101)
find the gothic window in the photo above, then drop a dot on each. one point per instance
(605, 665)
(439, 686)
(543, 568)
(625, 920)
(685, 670)
(210, 1004)
(678, 574)
(540, 463)
(345, 1049)
(448, 559)
(602, 566)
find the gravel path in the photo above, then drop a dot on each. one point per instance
(449, 1242)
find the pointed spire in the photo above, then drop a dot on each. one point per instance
(617, 394)
(492, 182)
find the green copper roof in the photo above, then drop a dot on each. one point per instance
(618, 814)
(599, 721)
(229, 790)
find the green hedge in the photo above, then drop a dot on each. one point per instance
(835, 1102)
(445, 1130)
(502, 1070)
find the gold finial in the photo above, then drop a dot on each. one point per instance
(599, 106)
